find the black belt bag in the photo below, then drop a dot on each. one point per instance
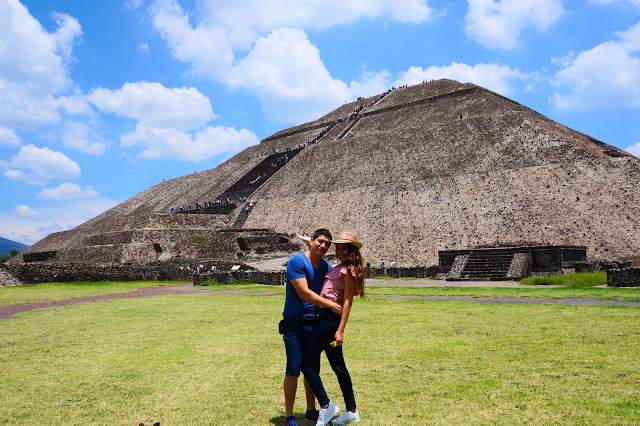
(286, 322)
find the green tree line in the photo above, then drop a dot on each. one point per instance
(5, 257)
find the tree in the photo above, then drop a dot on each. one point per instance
(5, 257)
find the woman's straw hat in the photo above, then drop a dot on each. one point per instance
(348, 238)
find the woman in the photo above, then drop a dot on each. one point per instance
(341, 283)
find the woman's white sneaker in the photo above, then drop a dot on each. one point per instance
(326, 414)
(346, 418)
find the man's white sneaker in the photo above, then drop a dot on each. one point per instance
(346, 418)
(326, 414)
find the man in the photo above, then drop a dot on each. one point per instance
(305, 276)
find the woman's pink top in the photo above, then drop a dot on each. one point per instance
(333, 287)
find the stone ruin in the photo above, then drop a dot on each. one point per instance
(434, 167)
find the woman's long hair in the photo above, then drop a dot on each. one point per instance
(355, 260)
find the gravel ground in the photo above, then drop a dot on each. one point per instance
(442, 283)
(7, 312)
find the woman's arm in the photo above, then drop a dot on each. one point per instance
(305, 238)
(302, 288)
(349, 290)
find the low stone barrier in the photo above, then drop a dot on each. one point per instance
(269, 278)
(408, 272)
(30, 273)
(628, 277)
(280, 277)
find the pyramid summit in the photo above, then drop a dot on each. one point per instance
(436, 166)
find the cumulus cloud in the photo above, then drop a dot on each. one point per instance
(497, 24)
(499, 78)
(193, 45)
(603, 77)
(281, 65)
(28, 225)
(243, 28)
(67, 191)
(80, 137)
(37, 166)
(9, 137)
(160, 143)
(33, 66)
(170, 122)
(26, 212)
(154, 105)
(286, 72)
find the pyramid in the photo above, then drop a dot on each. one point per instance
(436, 166)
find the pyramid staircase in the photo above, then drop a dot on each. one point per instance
(493, 264)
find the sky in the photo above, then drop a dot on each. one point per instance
(101, 100)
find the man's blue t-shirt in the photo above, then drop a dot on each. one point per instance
(300, 266)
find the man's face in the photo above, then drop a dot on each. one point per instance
(320, 245)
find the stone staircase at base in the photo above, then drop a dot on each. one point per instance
(484, 265)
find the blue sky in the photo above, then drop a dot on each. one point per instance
(101, 100)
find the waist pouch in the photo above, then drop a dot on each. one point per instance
(286, 322)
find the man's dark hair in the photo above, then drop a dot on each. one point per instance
(324, 232)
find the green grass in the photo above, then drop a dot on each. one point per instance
(626, 294)
(218, 359)
(37, 293)
(579, 279)
(388, 278)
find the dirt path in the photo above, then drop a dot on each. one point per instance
(7, 312)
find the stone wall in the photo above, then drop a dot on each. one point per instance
(402, 272)
(50, 272)
(279, 277)
(260, 277)
(629, 277)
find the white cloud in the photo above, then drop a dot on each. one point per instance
(634, 149)
(497, 24)
(33, 66)
(74, 104)
(243, 28)
(66, 191)
(281, 66)
(37, 166)
(603, 77)
(286, 72)
(160, 143)
(143, 47)
(26, 212)
(9, 137)
(170, 122)
(631, 38)
(194, 46)
(28, 225)
(80, 137)
(155, 105)
(499, 78)
(133, 4)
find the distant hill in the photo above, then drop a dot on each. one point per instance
(7, 245)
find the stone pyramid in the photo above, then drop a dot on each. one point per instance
(435, 166)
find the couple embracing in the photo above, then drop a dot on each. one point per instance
(316, 309)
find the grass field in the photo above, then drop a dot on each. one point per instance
(218, 359)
